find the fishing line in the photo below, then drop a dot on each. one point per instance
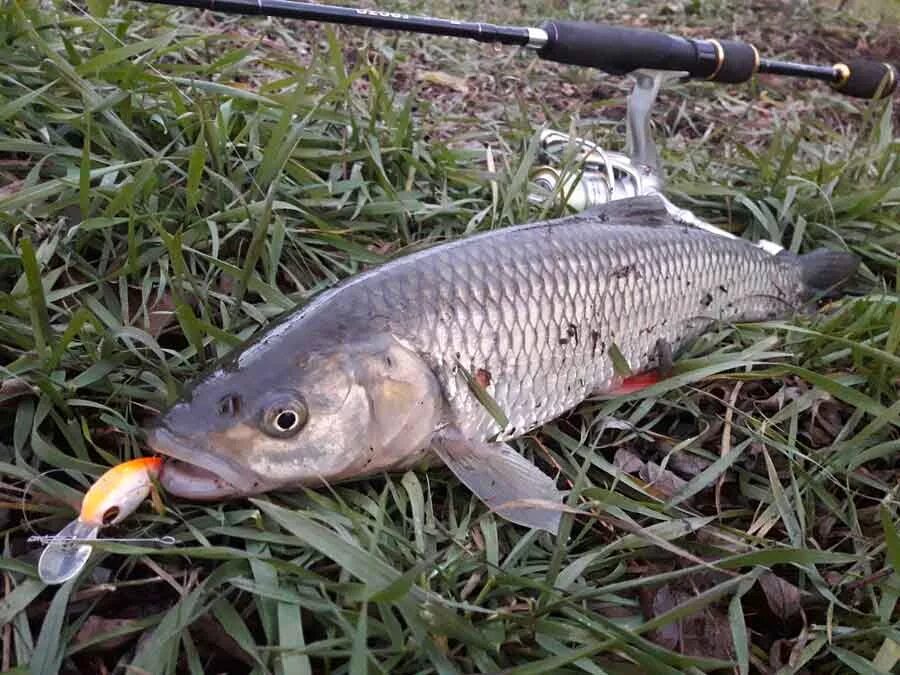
(22, 500)
(46, 539)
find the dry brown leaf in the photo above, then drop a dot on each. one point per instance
(706, 633)
(663, 480)
(779, 653)
(660, 481)
(613, 611)
(780, 398)
(97, 625)
(226, 284)
(88, 663)
(443, 79)
(11, 188)
(824, 527)
(628, 461)
(661, 601)
(825, 421)
(783, 597)
(211, 632)
(384, 247)
(688, 464)
(472, 583)
(12, 389)
(159, 316)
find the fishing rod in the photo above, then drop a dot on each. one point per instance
(613, 49)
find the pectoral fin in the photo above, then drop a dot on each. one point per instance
(637, 382)
(506, 482)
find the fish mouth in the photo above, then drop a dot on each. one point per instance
(193, 472)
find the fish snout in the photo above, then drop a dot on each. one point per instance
(195, 470)
(180, 418)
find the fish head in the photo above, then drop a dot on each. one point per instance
(306, 419)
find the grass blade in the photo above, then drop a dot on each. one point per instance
(40, 321)
(51, 643)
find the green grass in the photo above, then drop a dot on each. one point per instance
(170, 182)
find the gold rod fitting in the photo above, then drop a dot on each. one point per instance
(720, 58)
(892, 82)
(843, 74)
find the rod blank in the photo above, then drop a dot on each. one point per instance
(372, 18)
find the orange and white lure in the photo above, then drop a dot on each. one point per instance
(115, 496)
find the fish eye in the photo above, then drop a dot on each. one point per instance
(230, 405)
(111, 514)
(284, 420)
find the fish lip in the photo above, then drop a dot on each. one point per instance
(243, 481)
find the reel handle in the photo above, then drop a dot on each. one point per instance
(618, 50)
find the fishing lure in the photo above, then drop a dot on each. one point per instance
(114, 497)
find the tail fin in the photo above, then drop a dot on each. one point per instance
(825, 271)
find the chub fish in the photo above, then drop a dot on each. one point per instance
(394, 364)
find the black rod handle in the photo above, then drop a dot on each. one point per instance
(862, 78)
(618, 50)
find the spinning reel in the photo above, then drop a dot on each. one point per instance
(601, 176)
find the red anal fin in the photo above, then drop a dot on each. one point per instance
(637, 382)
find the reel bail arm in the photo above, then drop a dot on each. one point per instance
(599, 175)
(602, 176)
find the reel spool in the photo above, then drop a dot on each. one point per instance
(604, 175)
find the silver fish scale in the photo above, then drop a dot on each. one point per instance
(534, 310)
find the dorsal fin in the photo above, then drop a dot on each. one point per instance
(646, 211)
